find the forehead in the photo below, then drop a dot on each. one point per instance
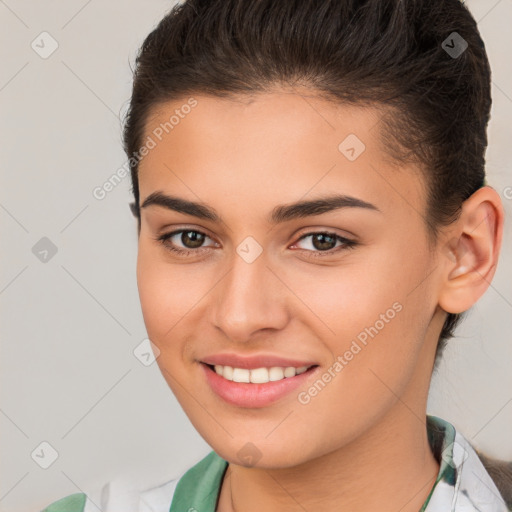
(282, 145)
(289, 119)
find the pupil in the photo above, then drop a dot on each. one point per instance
(196, 238)
(323, 244)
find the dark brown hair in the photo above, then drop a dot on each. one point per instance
(423, 63)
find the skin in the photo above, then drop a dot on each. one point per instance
(366, 428)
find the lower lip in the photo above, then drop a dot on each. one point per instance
(243, 394)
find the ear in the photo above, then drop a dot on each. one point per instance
(471, 255)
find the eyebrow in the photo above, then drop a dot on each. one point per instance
(281, 213)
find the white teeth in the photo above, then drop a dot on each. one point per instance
(289, 371)
(258, 375)
(241, 375)
(227, 372)
(275, 373)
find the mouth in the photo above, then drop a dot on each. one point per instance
(258, 387)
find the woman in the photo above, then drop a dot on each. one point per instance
(313, 220)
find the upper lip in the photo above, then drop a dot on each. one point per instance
(255, 361)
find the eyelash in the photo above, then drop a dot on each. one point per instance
(347, 244)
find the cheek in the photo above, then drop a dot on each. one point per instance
(151, 285)
(164, 302)
(171, 294)
(162, 294)
(346, 298)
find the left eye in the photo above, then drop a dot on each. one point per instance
(321, 242)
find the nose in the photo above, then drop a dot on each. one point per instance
(249, 298)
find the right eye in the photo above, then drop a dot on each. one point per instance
(190, 238)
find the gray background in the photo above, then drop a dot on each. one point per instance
(70, 324)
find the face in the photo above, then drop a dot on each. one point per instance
(345, 288)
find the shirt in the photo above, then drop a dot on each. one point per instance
(462, 484)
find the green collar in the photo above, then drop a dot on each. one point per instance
(199, 487)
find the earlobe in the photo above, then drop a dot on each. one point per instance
(471, 256)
